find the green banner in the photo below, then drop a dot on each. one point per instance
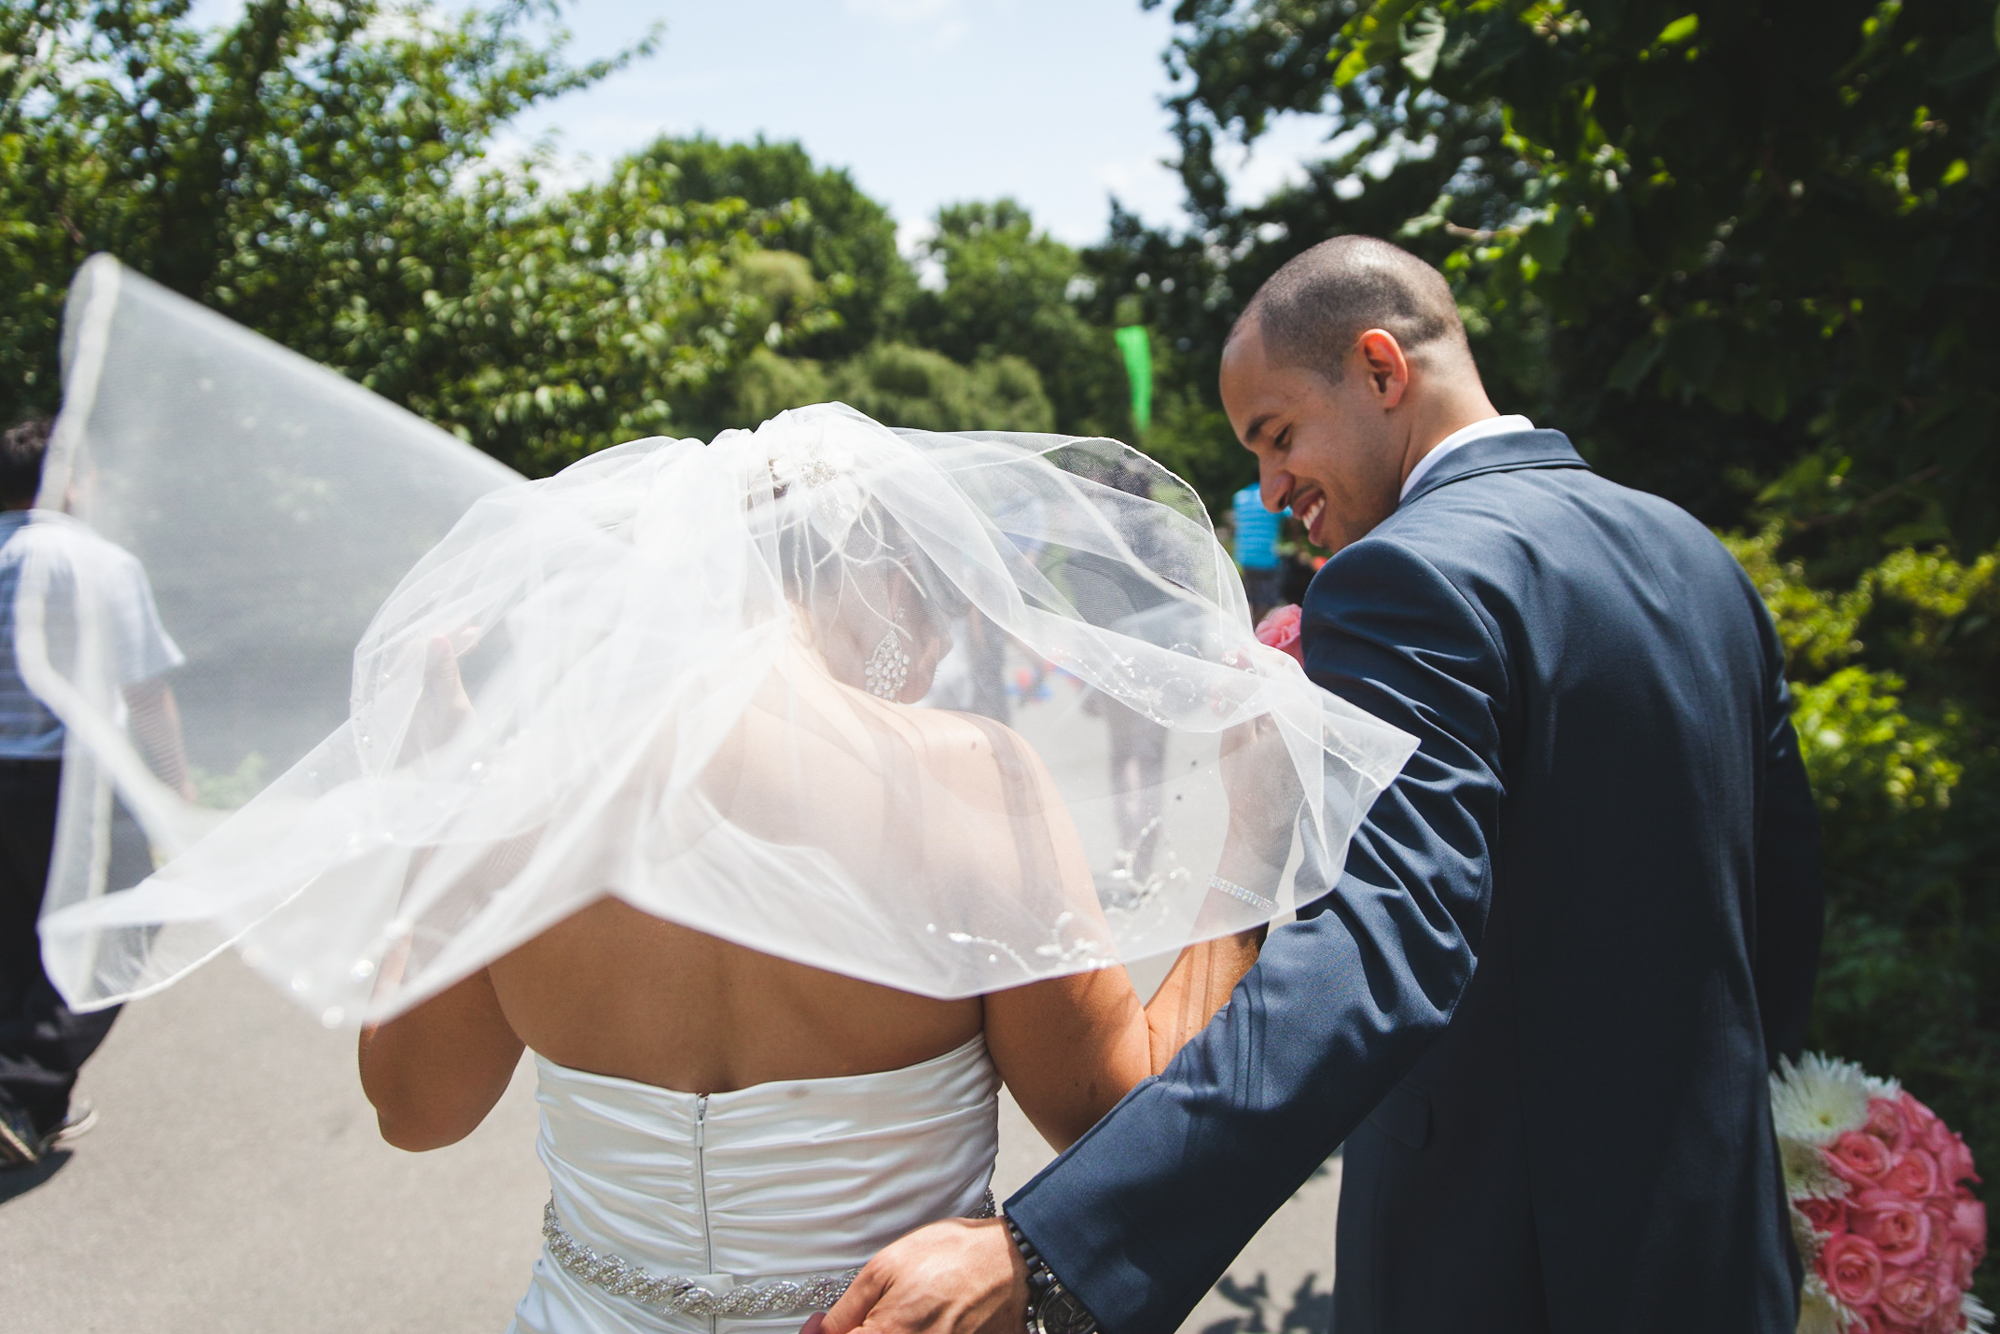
(1138, 351)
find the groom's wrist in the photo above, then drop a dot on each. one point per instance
(1052, 1308)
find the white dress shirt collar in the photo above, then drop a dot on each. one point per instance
(1464, 435)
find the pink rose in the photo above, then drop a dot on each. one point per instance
(1852, 1268)
(1959, 1262)
(1947, 1319)
(1900, 1228)
(1824, 1215)
(1968, 1222)
(1910, 1296)
(1934, 1137)
(1280, 629)
(1886, 1123)
(1913, 1173)
(1954, 1160)
(1857, 1158)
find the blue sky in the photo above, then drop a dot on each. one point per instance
(926, 102)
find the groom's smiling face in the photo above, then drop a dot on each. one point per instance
(1329, 449)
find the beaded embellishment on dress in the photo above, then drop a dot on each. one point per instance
(682, 1295)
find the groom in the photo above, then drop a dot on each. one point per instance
(1540, 1003)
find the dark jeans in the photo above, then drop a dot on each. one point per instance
(42, 1042)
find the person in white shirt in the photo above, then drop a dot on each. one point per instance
(43, 1043)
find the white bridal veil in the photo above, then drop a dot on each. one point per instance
(948, 713)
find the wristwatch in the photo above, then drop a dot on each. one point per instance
(1052, 1308)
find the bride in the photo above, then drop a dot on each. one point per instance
(645, 769)
(728, 1133)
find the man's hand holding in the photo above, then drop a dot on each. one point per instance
(954, 1277)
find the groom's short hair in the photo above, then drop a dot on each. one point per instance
(1312, 310)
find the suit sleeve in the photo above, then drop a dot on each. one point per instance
(1791, 899)
(1141, 1216)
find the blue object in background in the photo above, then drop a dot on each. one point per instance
(1256, 530)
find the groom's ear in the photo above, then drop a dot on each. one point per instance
(1379, 357)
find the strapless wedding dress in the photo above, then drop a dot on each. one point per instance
(745, 1211)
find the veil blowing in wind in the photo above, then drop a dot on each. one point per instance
(688, 675)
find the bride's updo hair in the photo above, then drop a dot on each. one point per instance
(856, 576)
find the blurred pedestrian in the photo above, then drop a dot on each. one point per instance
(1295, 576)
(1257, 551)
(43, 1043)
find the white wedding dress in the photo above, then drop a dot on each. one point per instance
(742, 1211)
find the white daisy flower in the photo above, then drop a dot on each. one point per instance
(1807, 1175)
(1809, 1241)
(1820, 1099)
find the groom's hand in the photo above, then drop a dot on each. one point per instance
(1263, 790)
(954, 1277)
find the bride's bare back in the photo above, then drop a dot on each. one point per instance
(615, 991)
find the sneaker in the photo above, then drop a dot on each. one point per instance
(20, 1146)
(78, 1121)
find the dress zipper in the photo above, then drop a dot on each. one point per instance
(701, 1187)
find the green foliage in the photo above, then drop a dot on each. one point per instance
(1008, 291)
(317, 172)
(1908, 782)
(1783, 212)
(1004, 342)
(1389, 158)
(903, 386)
(912, 386)
(848, 238)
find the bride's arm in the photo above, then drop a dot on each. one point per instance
(1199, 986)
(1071, 1047)
(435, 1071)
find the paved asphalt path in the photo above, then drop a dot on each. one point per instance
(236, 1185)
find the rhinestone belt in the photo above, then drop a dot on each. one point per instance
(681, 1295)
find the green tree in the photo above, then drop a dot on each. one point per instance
(848, 238)
(1389, 155)
(899, 385)
(318, 172)
(913, 386)
(1010, 291)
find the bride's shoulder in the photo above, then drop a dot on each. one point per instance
(974, 747)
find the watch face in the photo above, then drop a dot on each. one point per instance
(1061, 1313)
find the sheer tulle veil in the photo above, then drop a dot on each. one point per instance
(945, 712)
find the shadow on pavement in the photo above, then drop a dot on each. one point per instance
(1310, 1312)
(16, 1181)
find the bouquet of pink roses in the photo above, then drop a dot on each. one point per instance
(1888, 1229)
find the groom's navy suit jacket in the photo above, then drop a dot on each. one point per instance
(1539, 1003)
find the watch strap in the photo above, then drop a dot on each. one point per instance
(1047, 1297)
